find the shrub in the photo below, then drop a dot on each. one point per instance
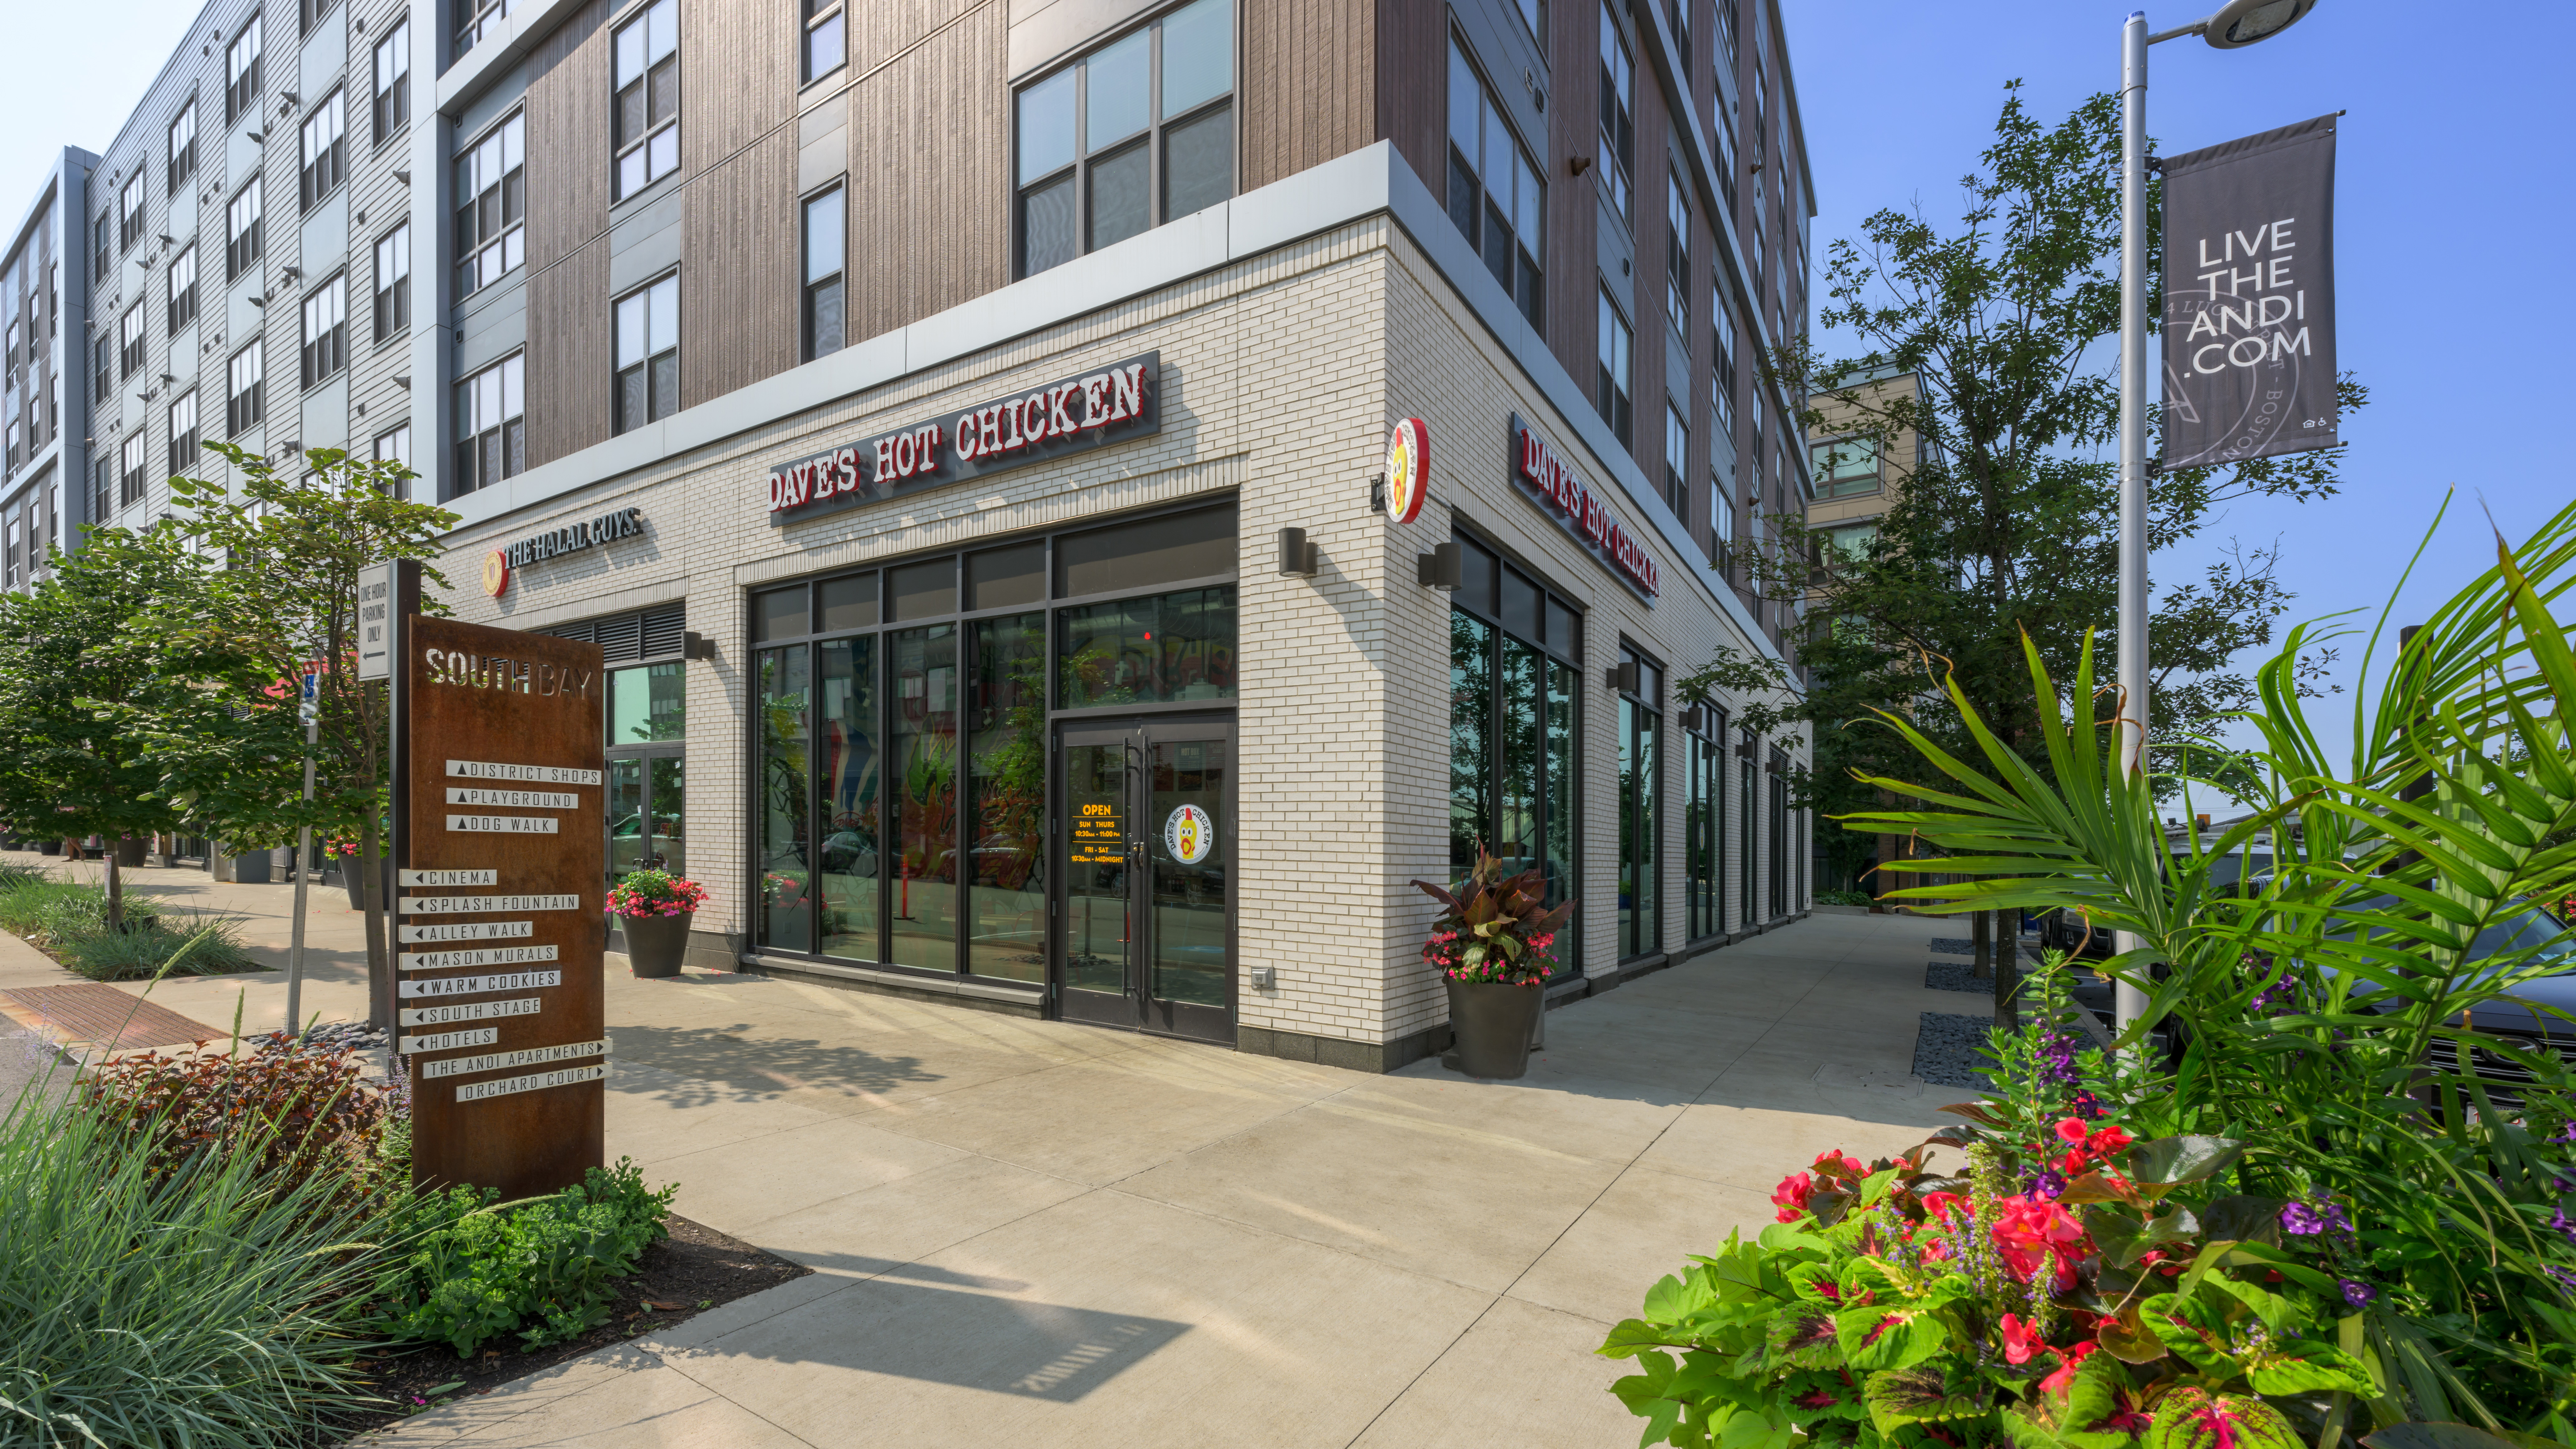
(49, 910)
(1842, 898)
(208, 948)
(143, 1301)
(1494, 928)
(291, 1107)
(542, 1269)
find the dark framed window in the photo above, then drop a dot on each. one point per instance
(102, 498)
(648, 353)
(242, 72)
(245, 230)
(130, 476)
(1747, 854)
(311, 13)
(1617, 344)
(1704, 822)
(1515, 666)
(243, 375)
(129, 213)
(1534, 15)
(1137, 133)
(648, 97)
(826, 269)
(902, 729)
(476, 20)
(182, 287)
(129, 342)
(1845, 466)
(1676, 460)
(393, 445)
(183, 146)
(101, 255)
(1726, 33)
(1618, 117)
(1677, 14)
(1495, 195)
(1641, 794)
(183, 432)
(492, 209)
(1677, 270)
(393, 81)
(491, 426)
(325, 150)
(827, 43)
(1722, 136)
(326, 330)
(1776, 825)
(103, 369)
(393, 283)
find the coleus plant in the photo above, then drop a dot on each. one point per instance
(1496, 927)
(2090, 1292)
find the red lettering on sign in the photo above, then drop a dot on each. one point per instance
(926, 449)
(1095, 400)
(1059, 422)
(1127, 386)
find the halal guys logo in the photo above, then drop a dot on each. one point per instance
(496, 572)
(1408, 464)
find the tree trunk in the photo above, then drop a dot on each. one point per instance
(380, 976)
(115, 889)
(1982, 957)
(2007, 974)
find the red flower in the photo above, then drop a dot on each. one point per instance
(2073, 1163)
(2107, 1141)
(1790, 1197)
(1939, 1204)
(1832, 1161)
(2072, 1129)
(2021, 1341)
(2069, 1360)
(2028, 1228)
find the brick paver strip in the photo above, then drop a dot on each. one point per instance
(104, 1016)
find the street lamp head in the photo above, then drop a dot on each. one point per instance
(2240, 23)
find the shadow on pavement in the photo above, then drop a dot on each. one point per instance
(965, 1339)
(725, 1064)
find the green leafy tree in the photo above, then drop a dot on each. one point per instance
(288, 601)
(2002, 480)
(88, 689)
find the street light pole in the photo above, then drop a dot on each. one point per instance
(2129, 1002)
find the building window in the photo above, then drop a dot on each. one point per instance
(826, 300)
(1534, 15)
(1777, 823)
(1677, 257)
(491, 219)
(393, 81)
(1748, 853)
(481, 18)
(183, 146)
(1704, 819)
(326, 330)
(1618, 345)
(648, 353)
(1495, 195)
(242, 378)
(648, 97)
(183, 289)
(1676, 460)
(394, 446)
(393, 283)
(1850, 543)
(1726, 33)
(827, 46)
(129, 342)
(130, 479)
(1618, 115)
(326, 150)
(1515, 657)
(241, 73)
(1139, 132)
(245, 234)
(1641, 780)
(312, 11)
(1722, 136)
(1721, 373)
(103, 368)
(101, 257)
(129, 213)
(183, 433)
(491, 426)
(1845, 466)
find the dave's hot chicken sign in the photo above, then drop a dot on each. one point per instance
(1072, 415)
(1582, 508)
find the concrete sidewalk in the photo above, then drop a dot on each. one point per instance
(1035, 1233)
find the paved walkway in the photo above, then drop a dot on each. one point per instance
(1037, 1233)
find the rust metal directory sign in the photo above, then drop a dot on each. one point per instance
(499, 928)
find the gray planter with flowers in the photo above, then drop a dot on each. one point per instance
(654, 909)
(1492, 947)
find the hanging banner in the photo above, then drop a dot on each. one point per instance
(2249, 298)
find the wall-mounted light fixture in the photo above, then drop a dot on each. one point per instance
(257, 138)
(403, 176)
(1625, 676)
(1442, 568)
(1297, 556)
(694, 645)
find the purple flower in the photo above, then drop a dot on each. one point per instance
(2565, 1280)
(2558, 1219)
(2357, 1293)
(2048, 1183)
(2336, 1220)
(2087, 1106)
(2302, 1220)
(2566, 1133)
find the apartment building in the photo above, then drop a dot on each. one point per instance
(44, 300)
(1083, 500)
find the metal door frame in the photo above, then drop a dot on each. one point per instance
(1139, 733)
(644, 756)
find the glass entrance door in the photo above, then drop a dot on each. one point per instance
(1146, 840)
(646, 809)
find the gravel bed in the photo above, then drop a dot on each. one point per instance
(1953, 946)
(1949, 1050)
(1958, 976)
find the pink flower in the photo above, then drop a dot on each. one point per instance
(2072, 1129)
(1790, 1197)
(2021, 1341)
(2029, 1228)
(2107, 1141)
(2069, 1360)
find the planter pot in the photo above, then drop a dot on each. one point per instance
(1493, 1025)
(655, 944)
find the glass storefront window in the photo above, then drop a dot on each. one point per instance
(1641, 767)
(1704, 825)
(845, 728)
(1512, 686)
(1006, 714)
(780, 799)
(646, 704)
(1471, 738)
(922, 672)
(1168, 649)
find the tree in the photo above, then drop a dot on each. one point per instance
(288, 602)
(2003, 521)
(87, 689)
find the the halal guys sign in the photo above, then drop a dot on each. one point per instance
(1073, 415)
(1580, 507)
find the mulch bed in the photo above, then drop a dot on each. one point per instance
(694, 1269)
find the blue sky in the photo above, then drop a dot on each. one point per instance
(2452, 213)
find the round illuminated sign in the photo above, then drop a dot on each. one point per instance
(1408, 464)
(1188, 835)
(496, 573)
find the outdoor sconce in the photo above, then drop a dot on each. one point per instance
(1442, 568)
(1625, 677)
(694, 645)
(1297, 556)
(1744, 748)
